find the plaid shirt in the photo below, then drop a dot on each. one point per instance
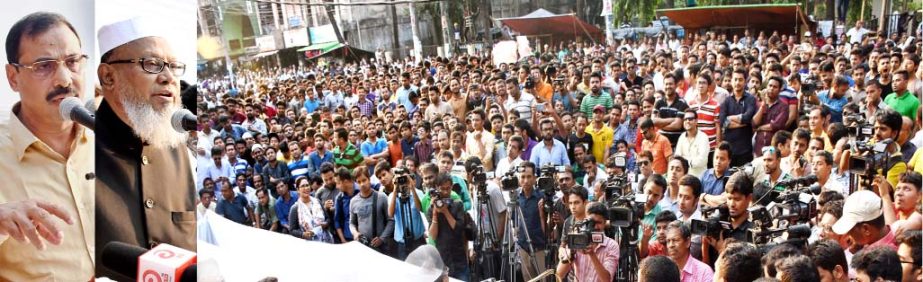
(366, 108)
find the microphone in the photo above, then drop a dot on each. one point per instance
(91, 106)
(72, 109)
(163, 263)
(183, 120)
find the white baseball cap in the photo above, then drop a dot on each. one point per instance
(861, 206)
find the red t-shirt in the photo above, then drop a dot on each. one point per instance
(656, 249)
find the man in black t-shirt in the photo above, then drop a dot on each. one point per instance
(670, 124)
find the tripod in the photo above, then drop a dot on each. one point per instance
(486, 241)
(629, 261)
(406, 223)
(514, 219)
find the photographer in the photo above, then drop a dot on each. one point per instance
(562, 209)
(404, 206)
(679, 241)
(887, 127)
(739, 192)
(598, 261)
(446, 219)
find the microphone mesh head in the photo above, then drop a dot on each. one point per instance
(177, 119)
(68, 105)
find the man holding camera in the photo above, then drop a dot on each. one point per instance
(446, 227)
(888, 125)
(404, 206)
(534, 218)
(368, 214)
(599, 260)
(739, 192)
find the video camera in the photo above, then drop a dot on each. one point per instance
(786, 209)
(617, 184)
(583, 235)
(867, 158)
(547, 185)
(509, 181)
(437, 199)
(717, 222)
(795, 183)
(402, 180)
(627, 210)
(479, 181)
(858, 128)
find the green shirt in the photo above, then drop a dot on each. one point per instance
(648, 219)
(906, 104)
(590, 101)
(350, 158)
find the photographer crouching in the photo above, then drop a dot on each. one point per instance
(588, 252)
(734, 214)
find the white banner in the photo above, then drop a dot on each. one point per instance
(505, 52)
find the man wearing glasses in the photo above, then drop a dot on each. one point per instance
(45, 161)
(144, 190)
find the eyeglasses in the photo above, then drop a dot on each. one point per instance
(643, 163)
(43, 68)
(155, 65)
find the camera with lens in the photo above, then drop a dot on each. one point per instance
(785, 210)
(479, 181)
(717, 222)
(547, 185)
(437, 198)
(402, 180)
(364, 240)
(667, 112)
(583, 235)
(617, 184)
(627, 210)
(794, 183)
(809, 85)
(858, 128)
(867, 159)
(509, 181)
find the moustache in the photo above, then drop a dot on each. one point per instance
(58, 92)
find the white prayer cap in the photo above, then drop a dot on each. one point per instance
(118, 33)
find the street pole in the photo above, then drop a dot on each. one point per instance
(883, 18)
(417, 45)
(446, 29)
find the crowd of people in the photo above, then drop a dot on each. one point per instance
(453, 152)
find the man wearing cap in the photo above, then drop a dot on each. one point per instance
(602, 134)
(144, 190)
(46, 203)
(864, 222)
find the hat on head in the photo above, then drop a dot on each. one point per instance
(859, 207)
(256, 147)
(599, 108)
(116, 34)
(247, 135)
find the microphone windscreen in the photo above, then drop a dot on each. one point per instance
(121, 258)
(67, 106)
(177, 119)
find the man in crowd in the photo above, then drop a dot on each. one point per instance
(864, 222)
(737, 116)
(598, 261)
(446, 228)
(656, 144)
(368, 214)
(679, 241)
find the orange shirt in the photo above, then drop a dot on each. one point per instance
(395, 152)
(544, 91)
(661, 150)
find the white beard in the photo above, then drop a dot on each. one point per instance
(151, 125)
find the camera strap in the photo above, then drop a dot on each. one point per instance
(374, 214)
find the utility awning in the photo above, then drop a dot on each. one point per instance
(769, 17)
(559, 27)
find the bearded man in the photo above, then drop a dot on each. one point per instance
(144, 190)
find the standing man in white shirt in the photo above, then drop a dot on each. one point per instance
(693, 144)
(856, 33)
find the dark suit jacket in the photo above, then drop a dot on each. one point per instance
(144, 196)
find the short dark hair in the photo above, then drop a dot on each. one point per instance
(326, 167)
(694, 182)
(890, 118)
(913, 178)
(834, 208)
(914, 239)
(344, 174)
(878, 262)
(740, 260)
(683, 162)
(798, 268)
(658, 180)
(775, 255)
(658, 268)
(665, 216)
(740, 183)
(827, 254)
(580, 191)
(32, 25)
(597, 208)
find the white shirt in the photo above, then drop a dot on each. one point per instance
(834, 185)
(207, 141)
(855, 34)
(601, 176)
(695, 151)
(505, 164)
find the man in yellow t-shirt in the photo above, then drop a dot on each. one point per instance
(601, 133)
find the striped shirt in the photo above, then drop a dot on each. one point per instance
(240, 167)
(708, 113)
(299, 167)
(590, 101)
